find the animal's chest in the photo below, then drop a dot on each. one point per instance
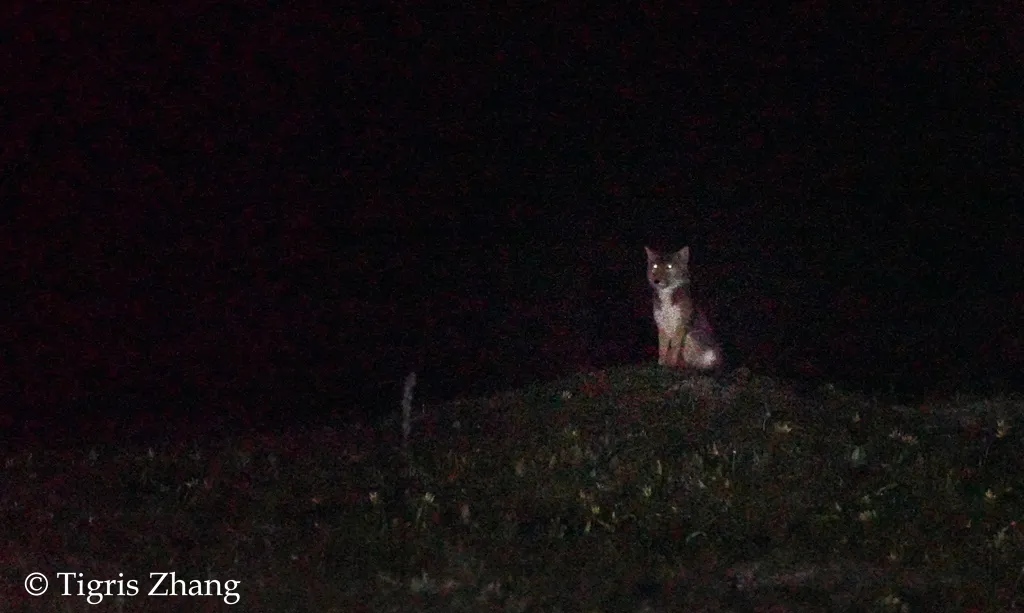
(671, 311)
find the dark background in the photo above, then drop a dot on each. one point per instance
(224, 214)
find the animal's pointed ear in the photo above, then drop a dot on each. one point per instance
(684, 255)
(650, 254)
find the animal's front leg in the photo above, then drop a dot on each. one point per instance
(663, 341)
(675, 344)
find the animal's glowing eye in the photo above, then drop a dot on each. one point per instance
(668, 265)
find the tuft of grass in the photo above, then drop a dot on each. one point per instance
(631, 489)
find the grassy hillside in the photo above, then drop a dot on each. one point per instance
(631, 489)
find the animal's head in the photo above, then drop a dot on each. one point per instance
(668, 271)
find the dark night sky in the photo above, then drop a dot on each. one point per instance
(217, 211)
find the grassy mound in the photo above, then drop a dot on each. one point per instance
(632, 489)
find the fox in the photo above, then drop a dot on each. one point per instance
(683, 330)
